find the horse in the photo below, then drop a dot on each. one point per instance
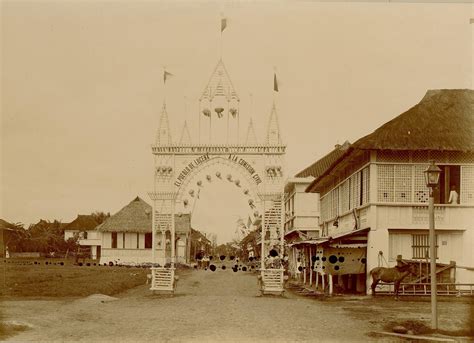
(395, 275)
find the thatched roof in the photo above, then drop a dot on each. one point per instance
(137, 217)
(320, 166)
(5, 225)
(83, 222)
(442, 120)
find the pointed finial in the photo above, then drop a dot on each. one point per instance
(164, 135)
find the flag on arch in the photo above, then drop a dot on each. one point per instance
(223, 24)
(249, 223)
(166, 75)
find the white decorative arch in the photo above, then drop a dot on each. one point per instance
(178, 165)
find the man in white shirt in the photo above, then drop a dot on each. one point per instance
(453, 196)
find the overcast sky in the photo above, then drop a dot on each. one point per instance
(82, 86)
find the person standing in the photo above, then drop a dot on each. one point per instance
(453, 195)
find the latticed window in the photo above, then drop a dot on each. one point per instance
(334, 203)
(393, 156)
(385, 182)
(421, 246)
(325, 207)
(394, 183)
(421, 192)
(355, 190)
(467, 185)
(402, 183)
(344, 190)
(364, 186)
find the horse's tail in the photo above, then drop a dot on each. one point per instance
(374, 270)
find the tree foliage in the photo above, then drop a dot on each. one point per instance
(100, 217)
(44, 237)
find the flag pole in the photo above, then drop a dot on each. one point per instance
(164, 83)
(199, 120)
(238, 122)
(210, 127)
(228, 122)
(223, 26)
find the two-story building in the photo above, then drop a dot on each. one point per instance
(84, 227)
(301, 220)
(302, 215)
(374, 200)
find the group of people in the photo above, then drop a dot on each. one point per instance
(203, 262)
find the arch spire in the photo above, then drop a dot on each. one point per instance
(164, 134)
(219, 85)
(273, 128)
(251, 138)
(185, 136)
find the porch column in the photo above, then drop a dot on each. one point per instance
(310, 269)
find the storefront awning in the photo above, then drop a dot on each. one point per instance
(350, 235)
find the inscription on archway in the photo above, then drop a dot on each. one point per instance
(187, 170)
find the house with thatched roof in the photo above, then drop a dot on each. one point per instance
(84, 228)
(127, 236)
(374, 199)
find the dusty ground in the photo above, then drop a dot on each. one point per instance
(220, 306)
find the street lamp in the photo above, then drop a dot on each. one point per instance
(431, 179)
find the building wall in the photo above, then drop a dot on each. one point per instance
(106, 240)
(301, 209)
(127, 251)
(69, 234)
(125, 255)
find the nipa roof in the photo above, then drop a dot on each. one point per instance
(442, 120)
(320, 166)
(83, 222)
(137, 217)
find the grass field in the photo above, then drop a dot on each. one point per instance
(34, 278)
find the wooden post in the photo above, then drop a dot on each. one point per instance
(330, 284)
(294, 266)
(452, 272)
(304, 265)
(317, 279)
(322, 281)
(153, 233)
(310, 268)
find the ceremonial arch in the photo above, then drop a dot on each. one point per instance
(182, 169)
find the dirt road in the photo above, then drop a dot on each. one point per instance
(208, 306)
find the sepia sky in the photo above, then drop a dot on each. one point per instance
(82, 89)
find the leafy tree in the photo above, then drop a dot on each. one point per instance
(100, 217)
(46, 237)
(17, 239)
